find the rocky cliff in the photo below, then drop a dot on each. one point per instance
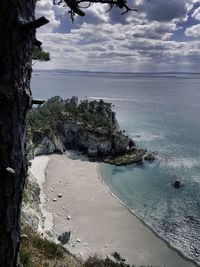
(90, 127)
(31, 213)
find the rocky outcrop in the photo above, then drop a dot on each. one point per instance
(115, 149)
(90, 127)
(49, 145)
(94, 142)
(127, 158)
(31, 213)
(149, 157)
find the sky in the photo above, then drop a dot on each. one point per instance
(163, 36)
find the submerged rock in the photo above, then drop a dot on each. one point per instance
(149, 157)
(177, 184)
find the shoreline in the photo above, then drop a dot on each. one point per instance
(170, 256)
(146, 224)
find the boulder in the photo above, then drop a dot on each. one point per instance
(131, 143)
(149, 157)
(64, 237)
(177, 184)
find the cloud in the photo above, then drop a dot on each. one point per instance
(155, 30)
(110, 48)
(196, 14)
(45, 8)
(164, 10)
(193, 31)
(137, 41)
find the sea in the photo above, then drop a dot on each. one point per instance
(161, 112)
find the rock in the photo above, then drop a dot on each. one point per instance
(131, 143)
(48, 146)
(10, 170)
(149, 157)
(141, 151)
(64, 237)
(59, 195)
(55, 199)
(68, 217)
(24, 236)
(78, 240)
(85, 244)
(106, 245)
(125, 159)
(177, 184)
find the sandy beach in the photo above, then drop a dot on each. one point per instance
(98, 222)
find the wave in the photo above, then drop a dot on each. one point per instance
(145, 136)
(180, 162)
(126, 99)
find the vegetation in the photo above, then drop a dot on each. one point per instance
(49, 118)
(36, 251)
(40, 54)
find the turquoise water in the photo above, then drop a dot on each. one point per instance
(161, 113)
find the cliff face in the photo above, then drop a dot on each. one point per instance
(95, 142)
(30, 206)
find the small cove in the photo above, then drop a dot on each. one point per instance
(161, 113)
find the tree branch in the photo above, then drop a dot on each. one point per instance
(75, 7)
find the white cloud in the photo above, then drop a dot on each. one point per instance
(110, 47)
(137, 41)
(193, 31)
(45, 8)
(196, 14)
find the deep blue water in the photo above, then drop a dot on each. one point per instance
(161, 112)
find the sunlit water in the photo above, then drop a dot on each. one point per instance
(162, 114)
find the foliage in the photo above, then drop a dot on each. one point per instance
(95, 261)
(40, 54)
(48, 119)
(36, 251)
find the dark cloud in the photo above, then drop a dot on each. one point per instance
(116, 17)
(164, 10)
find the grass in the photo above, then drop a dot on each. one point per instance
(36, 251)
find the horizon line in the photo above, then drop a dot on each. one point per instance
(116, 72)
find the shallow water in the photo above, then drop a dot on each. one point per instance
(161, 113)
